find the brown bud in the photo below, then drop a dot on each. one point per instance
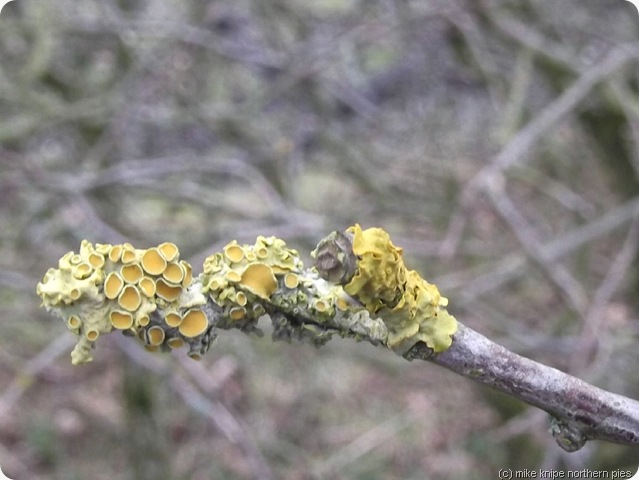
(334, 258)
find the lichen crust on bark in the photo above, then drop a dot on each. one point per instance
(151, 294)
(148, 293)
(412, 309)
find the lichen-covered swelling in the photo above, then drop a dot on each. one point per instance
(106, 287)
(412, 309)
(248, 281)
(151, 294)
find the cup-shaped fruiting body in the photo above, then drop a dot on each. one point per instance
(167, 291)
(174, 273)
(259, 279)
(169, 251)
(128, 254)
(153, 262)
(107, 287)
(130, 298)
(412, 309)
(291, 280)
(131, 273)
(147, 286)
(155, 336)
(173, 319)
(249, 274)
(121, 320)
(194, 323)
(113, 285)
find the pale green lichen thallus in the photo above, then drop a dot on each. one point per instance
(118, 287)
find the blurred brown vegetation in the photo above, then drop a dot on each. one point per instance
(496, 140)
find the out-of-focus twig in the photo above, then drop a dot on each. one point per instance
(220, 417)
(596, 315)
(513, 266)
(518, 148)
(24, 379)
(528, 238)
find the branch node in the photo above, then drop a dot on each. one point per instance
(568, 435)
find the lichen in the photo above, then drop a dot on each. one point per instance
(360, 289)
(412, 309)
(249, 274)
(106, 287)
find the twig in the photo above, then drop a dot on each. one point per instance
(212, 409)
(594, 317)
(512, 266)
(359, 288)
(517, 149)
(579, 411)
(365, 443)
(32, 368)
(561, 277)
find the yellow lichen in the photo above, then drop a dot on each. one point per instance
(113, 285)
(188, 273)
(152, 295)
(342, 304)
(240, 299)
(82, 271)
(234, 276)
(320, 306)
(130, 299)
(412, 309)
(169, 251)
(105, 287)
(153, 262)
(155, 336)
(74, 322)
(115, 253)
(174, 273)
(248, 273)
(291, 280)
(167, 291)
(147, 286)
(175, 342)
(131, 273)
(237, 313)
(194, 323)
(92, 334)
(121, 320)
(96, 259)
(234, 252)
(128, 254)
(259, 279)
(173, 319)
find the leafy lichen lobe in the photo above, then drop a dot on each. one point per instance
(412, 309)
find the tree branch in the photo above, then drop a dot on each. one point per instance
(358, 288)
(579, 411)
